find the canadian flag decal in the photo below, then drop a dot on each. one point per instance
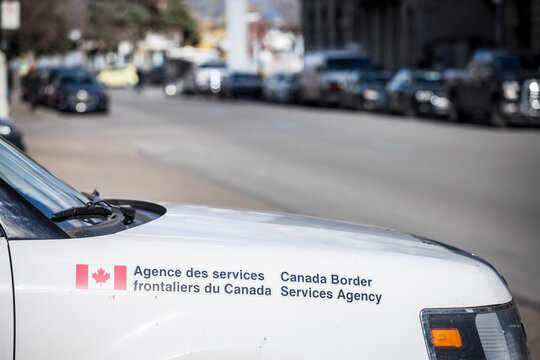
(106, 277)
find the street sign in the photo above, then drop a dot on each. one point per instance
(11, 15)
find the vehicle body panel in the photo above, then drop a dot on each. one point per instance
(408, 273)
(480, 91)
(366, 90)
(48, 84)
(92, 98)
(6, 303)
(282, 88)
(205, 78)
(322, 83)
(237, 83)
(11, 133)
(119, 76)
(402, 93)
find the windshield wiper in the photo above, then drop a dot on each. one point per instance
(80, 211)
(126, 210)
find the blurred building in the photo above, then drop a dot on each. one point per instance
(399, 33)
(274, 42)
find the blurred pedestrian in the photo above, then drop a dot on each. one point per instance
(9, 83)
(140, 82)
(33, 82)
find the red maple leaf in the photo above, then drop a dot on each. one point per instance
(101, 276)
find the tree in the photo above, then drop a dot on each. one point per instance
(110, 21)
(113, 20)
(46, 24)
(176, 17)
(43, 28)
(170, 16)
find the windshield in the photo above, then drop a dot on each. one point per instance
(41, 188)
(428, 77)
(347, 64)
(78, 79)
(213, 66)
(376, 78)
(517, 62)
(248, 77)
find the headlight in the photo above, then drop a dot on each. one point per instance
(534, 88)
(491, 333)
(440, 101)
(170, 90)
(5, 130)
(423, 96)
(201, 79)
(510, 90)
(371, 95)
(215, 80)
(82, 95)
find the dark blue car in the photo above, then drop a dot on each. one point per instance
(80, 92)
(11, 133)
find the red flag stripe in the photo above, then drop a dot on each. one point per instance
(81, 277)
(120, 277)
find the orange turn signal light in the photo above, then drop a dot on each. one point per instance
(446, 338)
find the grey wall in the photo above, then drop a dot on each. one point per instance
(399, 33)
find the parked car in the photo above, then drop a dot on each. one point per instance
(11, 133)
(282, 87)
(175, 68)
(323, 77)
(80, 92)
(238, 83)
(205, 78)
(141, 280)
(418, 92)
(365, 90)
(500, 87)
(48, 83)
(119, 76)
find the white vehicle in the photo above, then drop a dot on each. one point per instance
(324, 76)
(205, 78)
(86, 278)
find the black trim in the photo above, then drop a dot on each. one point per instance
(13, 293)
(80, 211)
(24, 220)
(139, 205)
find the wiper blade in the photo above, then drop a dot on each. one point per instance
(80, 211)
(127, 211)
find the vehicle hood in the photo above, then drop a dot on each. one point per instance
(377, 86)
(336, 76)
(255, 229)
(438, 89)
(247, 82)
(91, 89)
(520, 75)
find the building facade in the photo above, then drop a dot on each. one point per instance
(420, 33)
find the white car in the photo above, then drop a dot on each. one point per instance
(86, 278)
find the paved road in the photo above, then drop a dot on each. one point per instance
(470, 186)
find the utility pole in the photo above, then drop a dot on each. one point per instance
(10, 18)
(237, 57)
